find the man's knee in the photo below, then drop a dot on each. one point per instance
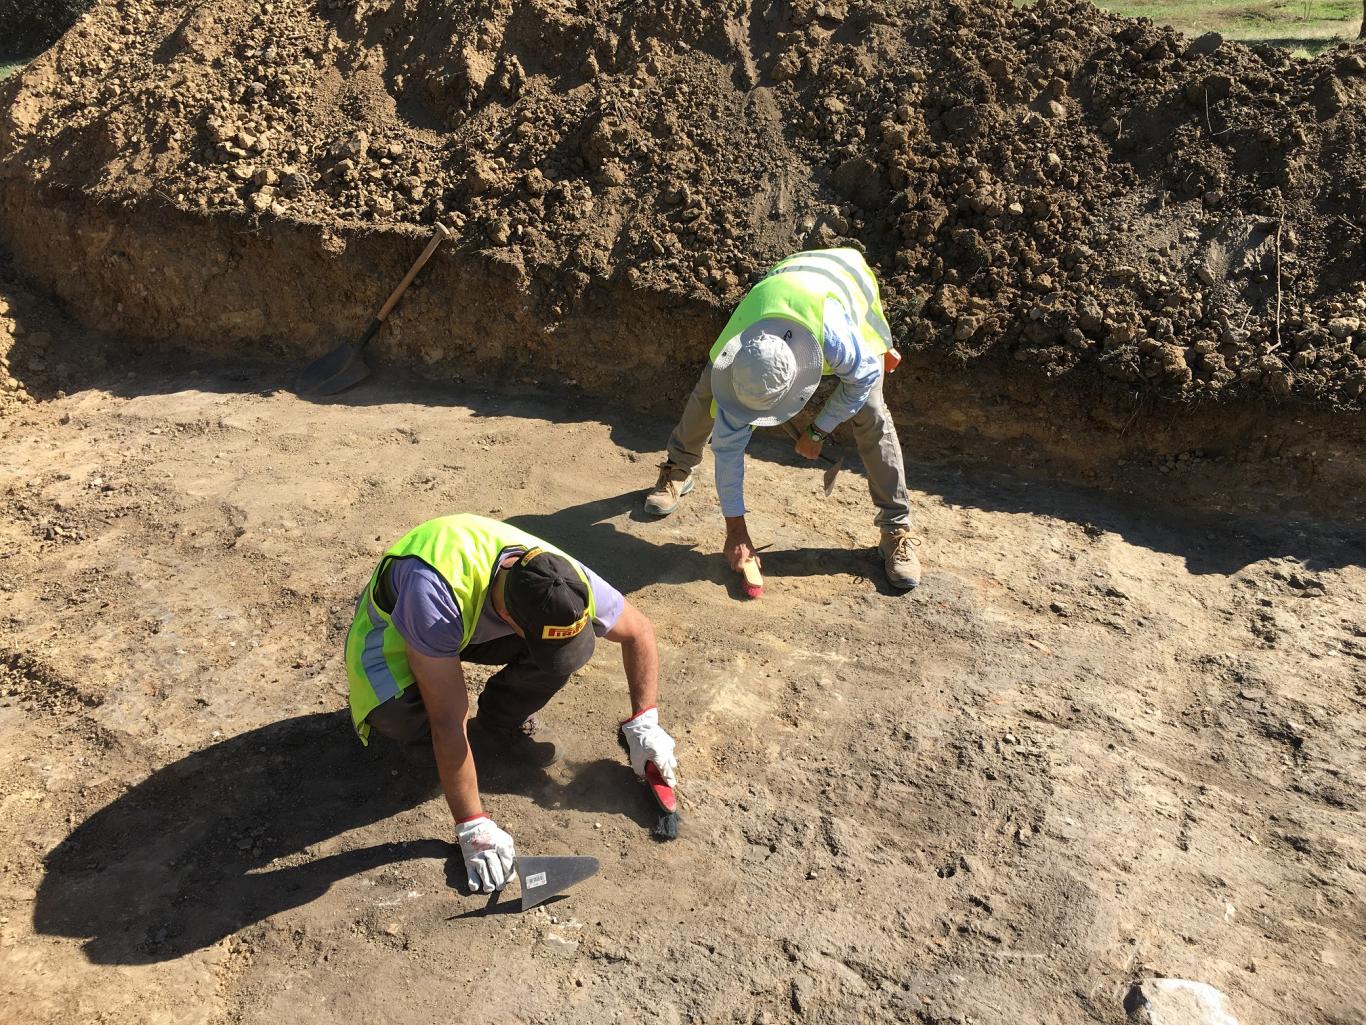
(402, 718)
(873, 422)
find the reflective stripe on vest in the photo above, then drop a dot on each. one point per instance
(798, 287)
(465, 551)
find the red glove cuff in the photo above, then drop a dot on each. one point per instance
(472, 818)
(638, 714)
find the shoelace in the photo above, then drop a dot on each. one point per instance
(904, 543)
(666, 481)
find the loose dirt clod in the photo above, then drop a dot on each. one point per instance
(1082, 194)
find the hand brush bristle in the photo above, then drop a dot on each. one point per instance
(667, 826)
(753, 590)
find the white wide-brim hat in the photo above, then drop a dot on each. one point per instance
(767, 373)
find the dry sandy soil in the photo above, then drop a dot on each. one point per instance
(1100, 741)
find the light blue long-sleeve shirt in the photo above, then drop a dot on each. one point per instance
(849, 359)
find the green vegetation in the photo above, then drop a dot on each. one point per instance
(9, 66)
(1305, 27)
(27, 26)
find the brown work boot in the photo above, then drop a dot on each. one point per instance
(898, 551)
(529, 743)
(669, 490)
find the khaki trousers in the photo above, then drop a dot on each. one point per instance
(874, 433)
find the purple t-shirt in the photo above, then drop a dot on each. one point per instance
(427, 618)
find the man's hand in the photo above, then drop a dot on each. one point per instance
(807, 447)
(647, 742)
(488, 853)
(738, 549)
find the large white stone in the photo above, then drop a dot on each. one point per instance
(1177, 1002)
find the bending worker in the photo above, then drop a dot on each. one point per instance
(813, 314)
(469, 589)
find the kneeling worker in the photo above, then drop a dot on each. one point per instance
(816, 313)
(469, 589)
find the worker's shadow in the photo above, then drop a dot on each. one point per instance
(623, 557)
(189, 855)
(185, 857)
(629, 560)
(605, 786)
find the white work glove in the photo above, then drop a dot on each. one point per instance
(488, 853)
(646, 741)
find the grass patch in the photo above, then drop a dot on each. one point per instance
(1305, 27)
(9, 65)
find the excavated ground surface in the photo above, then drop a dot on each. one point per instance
(1098, 742)
(1051, 185)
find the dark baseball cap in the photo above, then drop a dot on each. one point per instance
(547, 598)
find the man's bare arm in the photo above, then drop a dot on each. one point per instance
(646, 740)
(442, 682)
(639, 655)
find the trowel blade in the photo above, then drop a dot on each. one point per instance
(831, 472)
(543, 878)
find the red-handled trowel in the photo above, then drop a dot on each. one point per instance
(543, 878)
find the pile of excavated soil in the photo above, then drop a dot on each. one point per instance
(1081, 193)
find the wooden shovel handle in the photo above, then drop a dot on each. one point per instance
(438, 236)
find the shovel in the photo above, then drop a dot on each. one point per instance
(832, 470)
(343, 366)
(543, 878)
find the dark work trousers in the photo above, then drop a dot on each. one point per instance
(512, 695)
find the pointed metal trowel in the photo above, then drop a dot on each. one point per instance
(832, 470)
(543, 878)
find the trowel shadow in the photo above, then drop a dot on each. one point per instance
(859, 563)
(190, 855)
(498, 904)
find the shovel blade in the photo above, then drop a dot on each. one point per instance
(831, 472)
(340, 369)
(543, 878)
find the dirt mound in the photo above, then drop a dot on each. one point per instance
(1081, 193)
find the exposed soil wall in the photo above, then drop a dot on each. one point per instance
(1103, 247)
(1091, 197)
(287, 291)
